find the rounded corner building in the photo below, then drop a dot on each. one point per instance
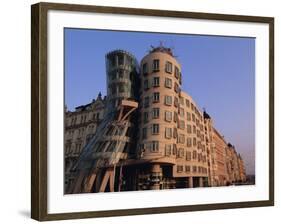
(171, 129)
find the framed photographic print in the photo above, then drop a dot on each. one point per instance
(139, 111)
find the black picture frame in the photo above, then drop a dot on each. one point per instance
(39, 107)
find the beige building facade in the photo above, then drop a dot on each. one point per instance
(220, 146)
(172, 127)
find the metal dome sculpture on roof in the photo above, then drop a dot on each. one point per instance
(162, 49)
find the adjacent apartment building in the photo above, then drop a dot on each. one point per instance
(175, 144)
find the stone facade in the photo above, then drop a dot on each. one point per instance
(176, 146)
(80, 127)
(171, 125)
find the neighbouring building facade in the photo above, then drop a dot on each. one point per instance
(80, 127)
(175, 143)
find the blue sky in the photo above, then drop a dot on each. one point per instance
(218, 72)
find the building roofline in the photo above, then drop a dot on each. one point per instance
(162, 49)
(221, 136)
(121, 51)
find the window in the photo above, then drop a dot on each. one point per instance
(192, 107)
(175, 132)
(72, 121)
(168, 149)
(156, 97)
(155, 65)
(194, 169)
(155, 113)
(204, 170)
(194, 129)
(168, 132)
(181, 153)
(80, 132)
(176, 118)
(181, 112)
(188, 156)
(176, 102)
(112, 61)
(199, 157)
(120, 59)
(179, 168)
(181, 138)
(122, 88)
(78, 146)
(188, 142)
(94, 116)
(188, 116)
(204, 159)
(168, 100)
(121, 74)
(181, 124)
(145, 84)
(176, 87)
(155, 146)
(146, 101)
(193, 117)
(169, 67)
(177, 72)
(144, 69)
(156, 81)
(199, 145)
(187, 169)
(194, 155)
(144, 133)
(174, 149)
(194, 141)
(180, 78)
(198, 133)
(145, 117)
(168, 116)
(113, 75)
(168, 83)
(181, 101)
(68, 148)
(155, 129)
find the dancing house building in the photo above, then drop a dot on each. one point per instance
(149, 133)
